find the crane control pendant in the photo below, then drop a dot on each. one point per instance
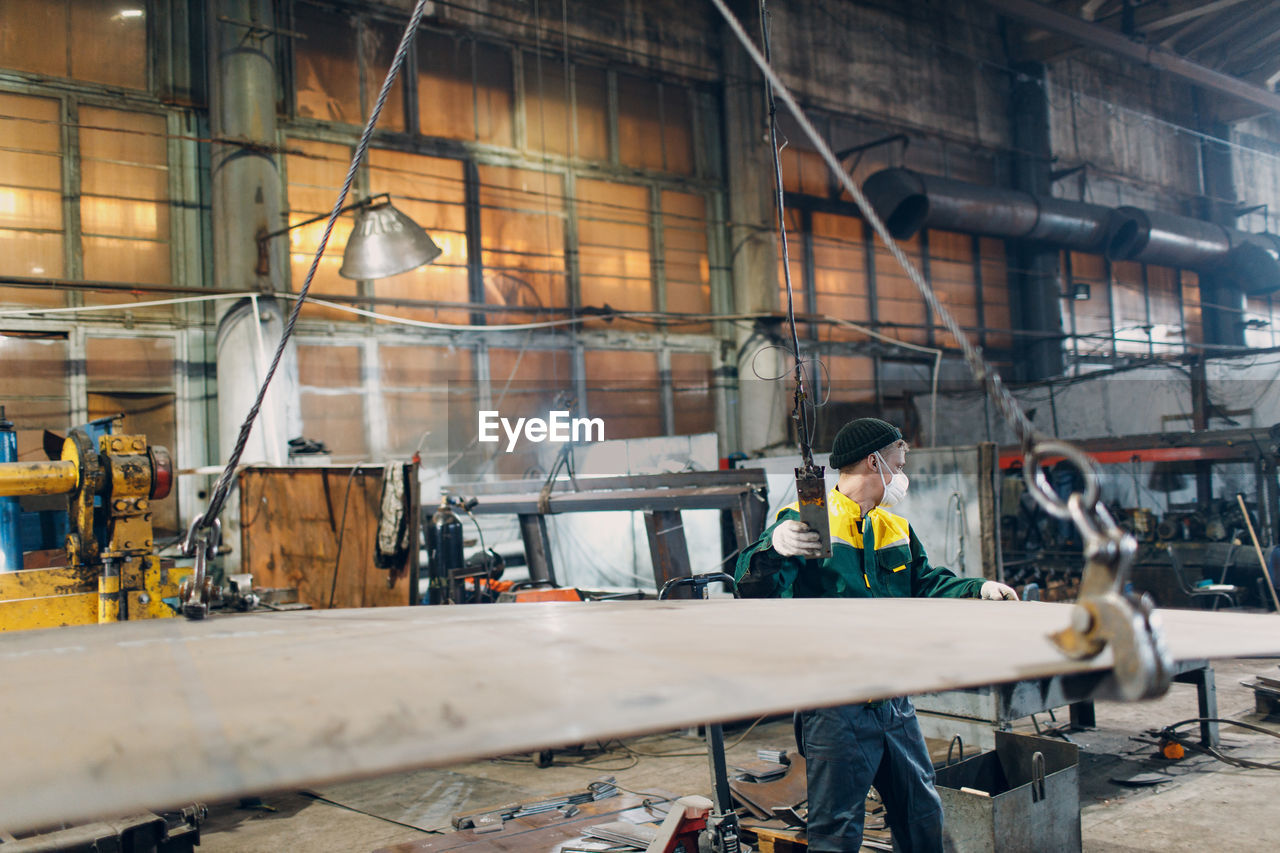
(811, 498)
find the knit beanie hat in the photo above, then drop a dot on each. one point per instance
(858, 439)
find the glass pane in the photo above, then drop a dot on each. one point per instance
(33, 36)
(109, 42)
(898, 303)
(591, 111)
(1164, 294)
(29, 254)
(422, 411)
(546, 98)
(522, 228)
(639, 123)
(684, 256)
(33, 367)
(691, 388)
(430, 191)
(380, 42)
(614, 247)
(1131, 324)
(840, 274)
(951, 274)
(995, 292)
(525, 383)
(1092, 314)
(677, 130)
(30, 196)
(850, 378)
(129, 364)
(795, 253)
(446, 101)
(316, 171)
(329, 366)
(326, 74)
(623, 389)
(124, 208)
(1190, 286)
(495, 96)
(338, 421)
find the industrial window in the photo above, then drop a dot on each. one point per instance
(686, 263)
(847, 379)
(326, 67)
(522, 221)
(99, 41)
(654, 125)
(693, 405)
(614, 246)
(527, 383)
(31, 220)
(124, 199)
(900, 309)
(1262, 314)
(316, 171)
(795, 262)
(378, 42)
(840, 274)
(430, 191)
(38, 396)
(464, 89)
(332, 398)
(1126, 308)
(623, 388)
(420, 386)
(954, 279)
(994, 267)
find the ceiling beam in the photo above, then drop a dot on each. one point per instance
(1101, 37)
(1241, 24)
(1160, 16)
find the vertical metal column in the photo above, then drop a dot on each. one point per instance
(10, 511)
(1036, 282)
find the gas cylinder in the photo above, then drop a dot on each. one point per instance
(444, 551)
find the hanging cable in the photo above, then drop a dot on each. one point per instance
(801, 394)
(200, 537)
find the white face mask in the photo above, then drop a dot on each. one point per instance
(894, 490)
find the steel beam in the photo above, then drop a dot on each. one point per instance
(1155, 57)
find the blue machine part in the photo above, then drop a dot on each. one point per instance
(41, 529)
(10, 530)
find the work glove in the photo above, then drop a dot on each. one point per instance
(996, 591)
(796, 539)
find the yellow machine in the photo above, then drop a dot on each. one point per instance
(111, 580)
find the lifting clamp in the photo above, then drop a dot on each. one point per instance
(1104, 613)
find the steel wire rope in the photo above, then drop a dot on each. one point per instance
(222, 489)
(986, 375)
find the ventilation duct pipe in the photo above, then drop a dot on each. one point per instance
(909, 201)
(1146, 236)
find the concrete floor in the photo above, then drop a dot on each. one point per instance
(1203, 804)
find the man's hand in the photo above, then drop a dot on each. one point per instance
(996, 591)
(796, 539)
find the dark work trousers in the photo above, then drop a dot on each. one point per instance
(852, 747)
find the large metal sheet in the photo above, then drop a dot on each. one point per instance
(113, 718)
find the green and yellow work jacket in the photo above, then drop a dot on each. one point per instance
(876, 556)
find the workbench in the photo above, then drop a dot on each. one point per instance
(976, 713)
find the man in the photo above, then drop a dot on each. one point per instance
(874, 554)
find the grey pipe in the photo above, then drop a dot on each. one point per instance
(909, 201)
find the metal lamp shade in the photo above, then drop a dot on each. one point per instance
(385, 242)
